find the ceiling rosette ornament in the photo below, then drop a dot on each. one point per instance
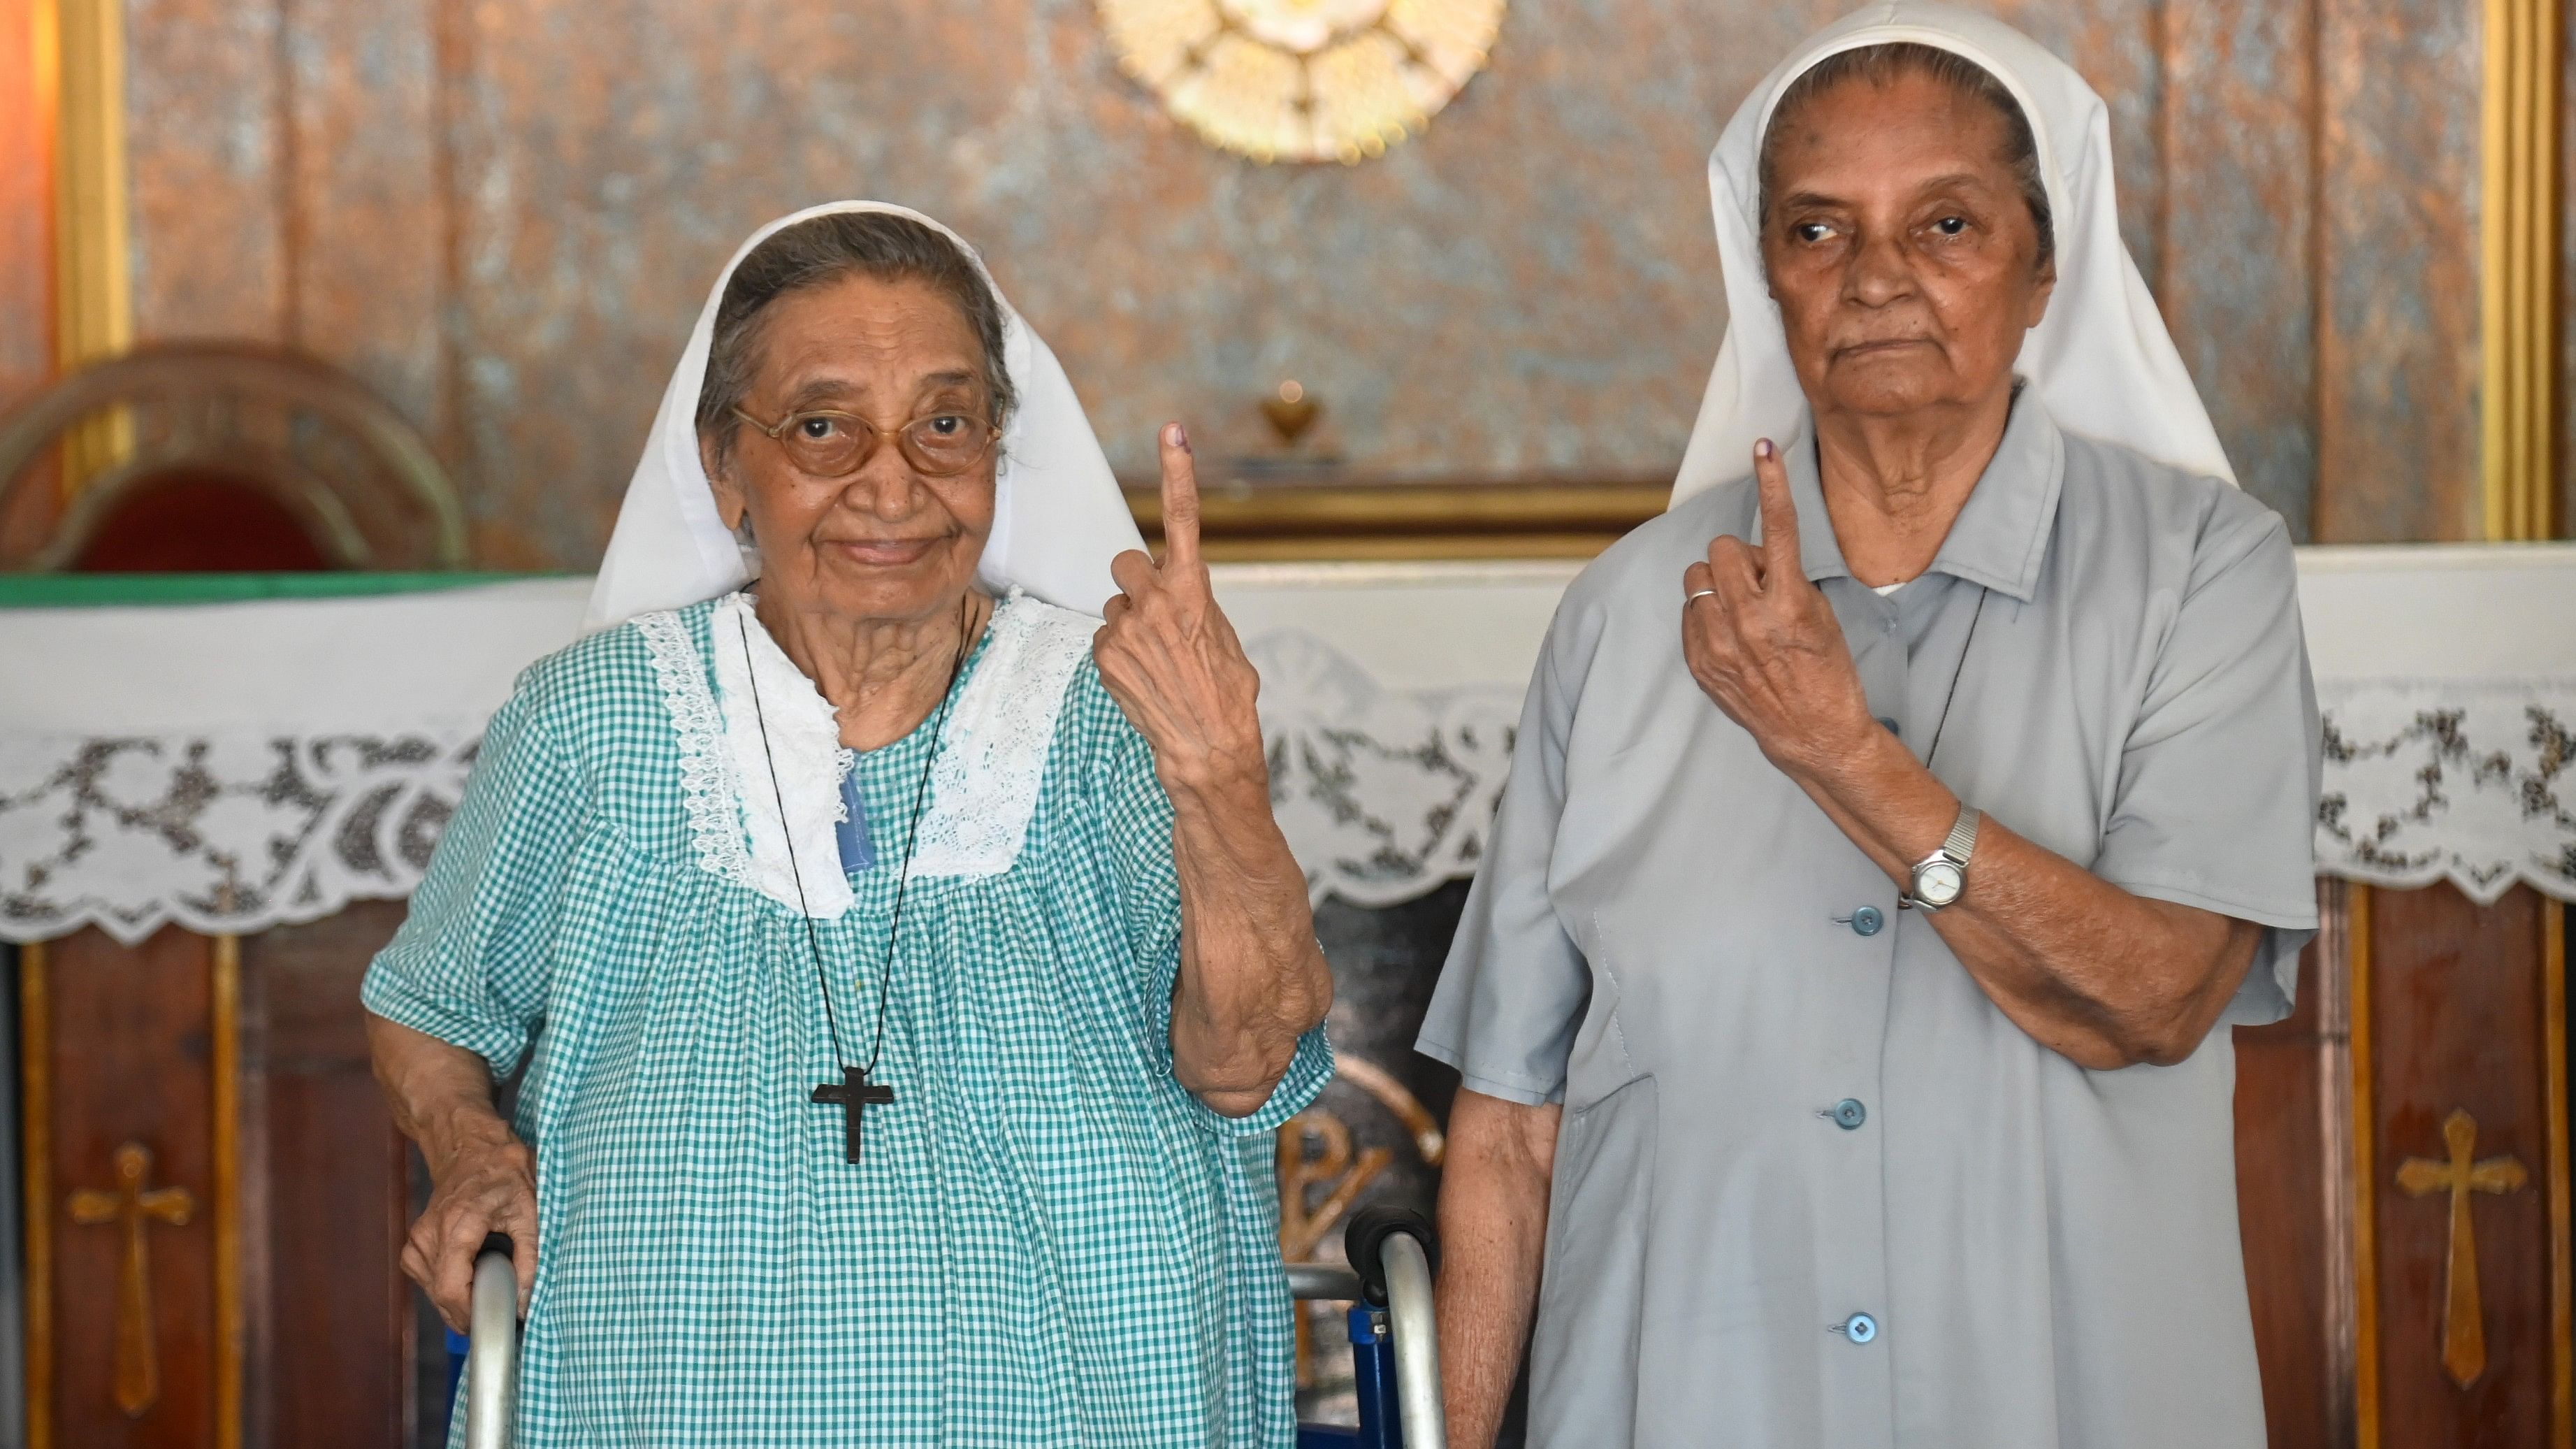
(1303, 80)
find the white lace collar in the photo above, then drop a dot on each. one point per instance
(984, 788)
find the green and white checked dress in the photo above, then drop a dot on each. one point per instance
(1050, 1241)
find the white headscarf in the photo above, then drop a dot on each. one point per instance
(2100, 360)
(1058, 518)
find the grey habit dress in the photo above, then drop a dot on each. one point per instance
(1812, 1187)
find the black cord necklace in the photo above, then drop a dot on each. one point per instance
(854, 1091)
(1983, 593)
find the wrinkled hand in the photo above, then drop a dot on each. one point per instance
(1764, 644)
(488, 1186)
(1169, 657)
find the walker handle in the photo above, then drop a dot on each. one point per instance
(492, 1355)
(1394, 1250)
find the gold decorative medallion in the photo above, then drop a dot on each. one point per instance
(1303, 80)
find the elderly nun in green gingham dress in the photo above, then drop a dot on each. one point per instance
(1047, 1239)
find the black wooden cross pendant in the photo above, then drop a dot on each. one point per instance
(852, 1092)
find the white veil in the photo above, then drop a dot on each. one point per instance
(2101, 360)
(1058, 517)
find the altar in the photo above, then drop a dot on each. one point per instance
(231, 754)
(216, 792)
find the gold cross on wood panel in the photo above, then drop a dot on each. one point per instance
(2464, 1338)
(131, 1206)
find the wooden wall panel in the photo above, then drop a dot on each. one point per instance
(332, 1340)
(2456, 1011)
(2397, 348)
(2284, 1181)
(124, 1034)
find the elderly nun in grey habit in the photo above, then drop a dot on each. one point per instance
(1896, 827)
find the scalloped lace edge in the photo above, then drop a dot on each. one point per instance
(984, 790)
(993, 760)
(708, 785)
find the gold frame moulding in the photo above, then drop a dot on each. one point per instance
(1299, 521)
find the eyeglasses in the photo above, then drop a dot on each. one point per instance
(827, 444)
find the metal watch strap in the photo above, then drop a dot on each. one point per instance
(1963, 836)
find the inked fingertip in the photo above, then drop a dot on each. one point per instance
(1177, 436)
(1762, 448)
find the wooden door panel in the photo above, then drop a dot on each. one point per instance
(2284, 1206)
(2458, 1025)
(121, 1042)
(331, 1360)
(2455, 996)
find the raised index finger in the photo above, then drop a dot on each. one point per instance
(1180, 499)
(1780, 559)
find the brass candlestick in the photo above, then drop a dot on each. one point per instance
(1291, 411)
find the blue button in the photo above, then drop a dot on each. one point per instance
(1861, 1327)
(1867, 920)
(1849, 1113)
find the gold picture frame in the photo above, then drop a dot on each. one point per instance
(1283, 521)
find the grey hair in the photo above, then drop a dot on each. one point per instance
(822, 250)
(1882, 65)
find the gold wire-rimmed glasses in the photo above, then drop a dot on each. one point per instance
(827, 443)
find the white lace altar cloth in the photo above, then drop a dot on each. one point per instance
(2447, 680)
(238, 766)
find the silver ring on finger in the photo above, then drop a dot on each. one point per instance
(1695, 595)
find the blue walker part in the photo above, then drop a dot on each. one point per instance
(1373, 1373)
(1373, 1376)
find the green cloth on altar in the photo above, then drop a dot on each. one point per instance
(92, 591)
(1049, 1241)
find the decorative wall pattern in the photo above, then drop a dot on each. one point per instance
(502, 214)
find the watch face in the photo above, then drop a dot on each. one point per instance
(1939, 884)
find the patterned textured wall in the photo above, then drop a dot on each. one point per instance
(503, 213)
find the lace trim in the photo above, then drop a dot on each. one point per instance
(1384, 793)
(984, 790)
(707, 782)
(992, 764)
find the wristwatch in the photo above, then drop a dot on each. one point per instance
(1942, 875)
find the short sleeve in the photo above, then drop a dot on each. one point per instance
(2217, 800)
(1138, 819)
(1515, 986)
(470, 964)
